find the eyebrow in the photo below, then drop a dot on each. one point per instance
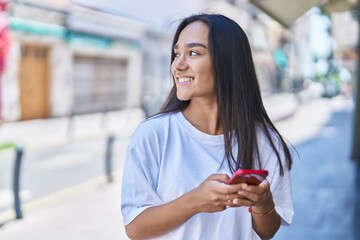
(190, 45)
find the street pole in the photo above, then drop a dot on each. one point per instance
(108, 157)
(16, 181)
(356, 137)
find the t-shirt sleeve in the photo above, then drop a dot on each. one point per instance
(280, 186)
(138, 184)
(282, 195)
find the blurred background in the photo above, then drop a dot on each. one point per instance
(78, 76)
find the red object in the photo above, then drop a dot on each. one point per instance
(4, 34)
(249, 176)
(4, 4)
(4, 47)
(261, 214)
(4, 42)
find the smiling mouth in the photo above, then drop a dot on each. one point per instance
(185, 79)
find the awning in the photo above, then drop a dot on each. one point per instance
(287, 11)
(38, 28)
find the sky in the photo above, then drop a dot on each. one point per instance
(160, 12)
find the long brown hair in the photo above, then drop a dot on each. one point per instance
(241, 110)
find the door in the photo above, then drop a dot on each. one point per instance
(99, 84)
(34, 100)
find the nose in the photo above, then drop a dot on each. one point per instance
(179, 63)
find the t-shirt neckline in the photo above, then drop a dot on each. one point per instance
(218, 139)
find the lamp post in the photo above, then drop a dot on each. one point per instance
(356, 137)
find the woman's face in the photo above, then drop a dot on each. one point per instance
(192, 66)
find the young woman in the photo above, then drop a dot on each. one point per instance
(213, 122)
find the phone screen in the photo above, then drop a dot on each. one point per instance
(249, 176)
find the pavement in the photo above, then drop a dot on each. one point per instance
(89, 210)
(319, 129)
(323, 175)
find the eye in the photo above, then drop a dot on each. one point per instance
(176, 54)
(193, 53)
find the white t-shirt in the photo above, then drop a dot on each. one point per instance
(168, 157)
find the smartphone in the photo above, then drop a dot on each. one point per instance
(249, 176)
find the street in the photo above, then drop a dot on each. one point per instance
(46, 171)
(78, 77)
(64, 160)
(320, 131)
(323, 178)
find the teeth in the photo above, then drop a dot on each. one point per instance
(185, 79)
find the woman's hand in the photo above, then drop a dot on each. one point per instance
(254, 195)
(265, 220)
(214, 195)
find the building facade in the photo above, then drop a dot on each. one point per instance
(68, 59)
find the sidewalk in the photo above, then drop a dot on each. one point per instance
(323, 175)
(43, 132)
(46, 133)
(280, 106)
(79, 212)
(93, 212)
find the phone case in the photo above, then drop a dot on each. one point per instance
(249, 176)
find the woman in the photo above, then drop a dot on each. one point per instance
(213, 122)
